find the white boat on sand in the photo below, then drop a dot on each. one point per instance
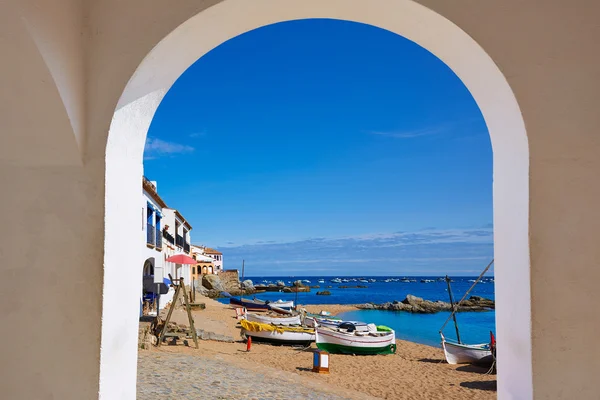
(275, 320)
(348, 341)
(458, 353)
(279, 335)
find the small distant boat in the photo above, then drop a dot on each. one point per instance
(372, 280)
(266, 319)
(336, 280)
(405, 280)
(279, 335)
(363, 280)
(321, 280)
(426, 280)
(350, 341)
(458, 353)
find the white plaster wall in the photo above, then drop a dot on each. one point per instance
(164, 64)
(118, 361)
(544, 51)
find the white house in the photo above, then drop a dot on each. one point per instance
(217, 256)
(152, 252)
(165, 233)
(176, 233)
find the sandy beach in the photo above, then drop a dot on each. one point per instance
(414, 372)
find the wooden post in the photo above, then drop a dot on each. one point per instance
(164, 328)
(189, 312)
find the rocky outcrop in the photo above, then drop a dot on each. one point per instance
(418, 305)
(230, 280)
(352, 287)
(248, 285)
(212, 282)
(324, 293)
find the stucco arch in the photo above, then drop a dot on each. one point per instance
(213, 26)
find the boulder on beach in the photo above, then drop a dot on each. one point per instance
(212, 282)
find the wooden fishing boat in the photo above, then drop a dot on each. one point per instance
(251, 305)
(287, 304)
(458, 353)
(275, 320)
(278, 335)
(348, 341)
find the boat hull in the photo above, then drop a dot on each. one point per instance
(294, 320)
(250, 305)
(282, 339)
(340, 343)
(467, 354)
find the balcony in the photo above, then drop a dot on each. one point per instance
(158, 243)
(179, 242)
(186, 247)
(150, 235)
(169, 237)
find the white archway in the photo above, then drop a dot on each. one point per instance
(230, 18)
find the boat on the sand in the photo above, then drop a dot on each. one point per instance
(273, 319)
(278, 335)
(377, 340)
(459, 353)
(249, 304)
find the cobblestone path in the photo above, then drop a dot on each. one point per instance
(181, 376)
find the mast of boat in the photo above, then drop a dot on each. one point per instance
(242, 270)
(296, 301)
(465, 296)
(453, 308)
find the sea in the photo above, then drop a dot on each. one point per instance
(474, 327)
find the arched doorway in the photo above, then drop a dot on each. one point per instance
(179, 49)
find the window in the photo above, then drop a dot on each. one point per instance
(194, 270)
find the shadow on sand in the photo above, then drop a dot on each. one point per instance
(489, 386)
(477, 369)
(431, 360)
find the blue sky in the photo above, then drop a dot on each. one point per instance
(327, 140)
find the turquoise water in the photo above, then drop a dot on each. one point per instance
(474, 327)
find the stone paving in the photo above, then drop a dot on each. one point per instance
(182, 376)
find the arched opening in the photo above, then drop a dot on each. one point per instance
(430, 30)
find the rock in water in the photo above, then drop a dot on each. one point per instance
(324, 293)
(212, 282)
(248, 285)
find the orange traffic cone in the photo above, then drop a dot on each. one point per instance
(249, 343)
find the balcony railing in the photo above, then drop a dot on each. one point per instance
(158, 243)
(186, 247)
(169, 237)
(150, 234)
(179, 242)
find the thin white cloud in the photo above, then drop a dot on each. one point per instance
(156, 148)
(409, 134)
